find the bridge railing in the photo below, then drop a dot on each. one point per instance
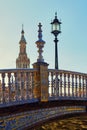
(16, 85)
(67, 84)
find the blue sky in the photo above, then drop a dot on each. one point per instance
(72, 44)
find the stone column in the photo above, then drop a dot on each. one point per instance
(40, 89)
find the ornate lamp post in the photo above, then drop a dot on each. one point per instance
(56, 29)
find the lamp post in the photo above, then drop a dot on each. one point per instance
(56, 29)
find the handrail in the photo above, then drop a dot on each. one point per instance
(16, 85)
(67, 71)
(18, 69)
(67, 83)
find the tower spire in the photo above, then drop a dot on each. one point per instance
(22, 32)
(22, 35)
(22, 61)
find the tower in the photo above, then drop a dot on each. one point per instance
(22, 61)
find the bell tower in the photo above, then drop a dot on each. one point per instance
(22, 61)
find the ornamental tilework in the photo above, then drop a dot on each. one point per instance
(25, 119)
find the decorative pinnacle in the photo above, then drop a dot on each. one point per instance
(40, 32)
(40, 44)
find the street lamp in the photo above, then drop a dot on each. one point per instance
(56, 29)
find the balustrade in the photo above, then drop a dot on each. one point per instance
(16, 85)
(70, 84)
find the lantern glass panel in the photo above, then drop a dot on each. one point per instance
(56, 27)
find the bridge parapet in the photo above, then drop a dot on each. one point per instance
(19, 86)
(16, 85)
(67, 84)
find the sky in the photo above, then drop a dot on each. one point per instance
(72, 45)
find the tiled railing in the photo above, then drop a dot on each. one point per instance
(16, 85)
(67, 84)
